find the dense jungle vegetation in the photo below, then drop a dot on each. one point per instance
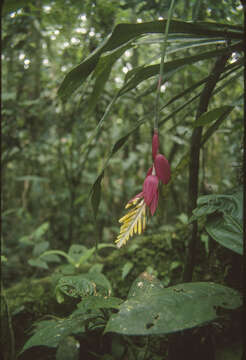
(85, 87)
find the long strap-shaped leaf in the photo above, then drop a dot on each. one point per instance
(136, 76)
(123, 33)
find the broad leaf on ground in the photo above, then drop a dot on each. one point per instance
(152, 309)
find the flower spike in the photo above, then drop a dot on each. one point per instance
(134, 222)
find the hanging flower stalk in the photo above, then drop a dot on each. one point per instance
(134, 222)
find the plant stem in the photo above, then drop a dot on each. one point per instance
(194, 162)
(163, 54)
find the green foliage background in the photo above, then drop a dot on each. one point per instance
(96, 137)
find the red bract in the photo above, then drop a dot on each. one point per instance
(150, 192)
(162, 168)
(135, 220)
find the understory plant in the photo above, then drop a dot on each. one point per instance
(176, 314)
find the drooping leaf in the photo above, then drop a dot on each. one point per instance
(224, 218)
(137, 75)
(209, 116)
(152, 309)
(123, 33)
(126, 269)
(51, 332)
(102, 72)
(228, 233)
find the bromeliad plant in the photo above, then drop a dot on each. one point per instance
(135, 220)
(147, 200)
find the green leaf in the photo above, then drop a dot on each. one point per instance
(52, 258)
(51, 332)
(96, 268)
(76, 286)
(137, 75)
(80, 286)
(99, 302)
(38, 263)
(86, 256)
(3, 259)
(225, 218)
(40, 247)
(76, 250)
(226, 234)
(61, 253)
(68, 349)
(123, 33)
(40, 231)
(209, 116)
(152, 309)
(126, 269)
(103, 285)
(102, 72)
(60, 298)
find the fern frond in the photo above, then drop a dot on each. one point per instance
(133, 222)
